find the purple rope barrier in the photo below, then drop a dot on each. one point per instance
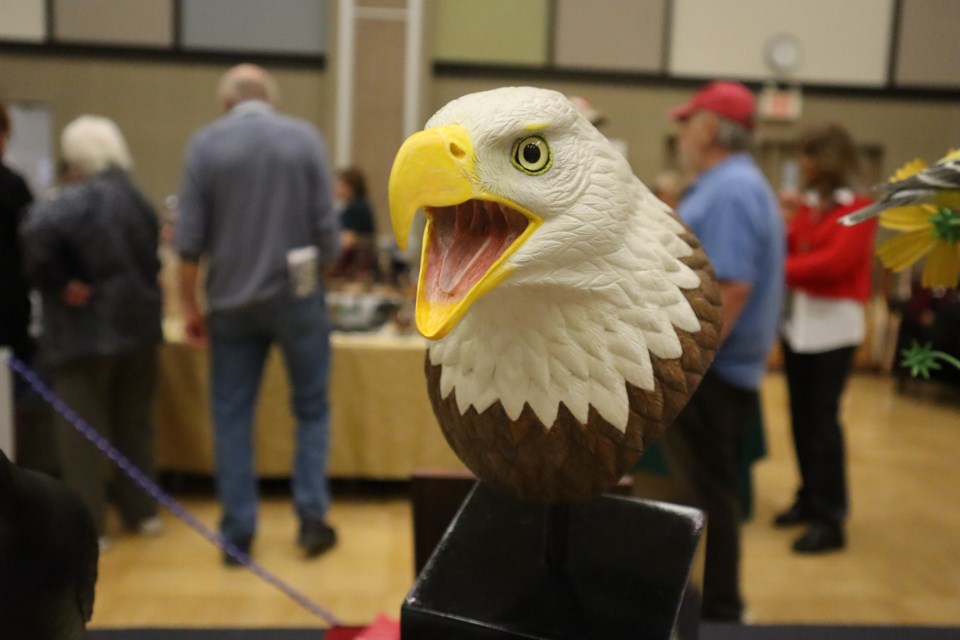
(153, 489)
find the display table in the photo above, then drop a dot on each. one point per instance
(382, 425)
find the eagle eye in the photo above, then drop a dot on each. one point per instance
(532, 155)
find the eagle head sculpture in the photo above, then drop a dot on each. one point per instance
(571, 314)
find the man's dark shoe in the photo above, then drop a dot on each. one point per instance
(820, 538)
(791, 517)
(316, 536)
(243, 545)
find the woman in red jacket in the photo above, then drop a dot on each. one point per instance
(828, 279)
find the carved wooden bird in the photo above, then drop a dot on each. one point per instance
(571, 313)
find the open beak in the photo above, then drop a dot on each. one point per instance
(470, 233)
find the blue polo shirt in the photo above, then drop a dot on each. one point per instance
(256, 184)
(733, 212)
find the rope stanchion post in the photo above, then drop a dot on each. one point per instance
(150, 486)
(7, 431)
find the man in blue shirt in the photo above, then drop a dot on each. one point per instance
(734, 213)
(256, 202)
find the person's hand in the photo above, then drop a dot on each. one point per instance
(195, 329)
(790, 201)
(76, 293)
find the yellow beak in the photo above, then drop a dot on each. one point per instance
(436, 168)
(433, 168)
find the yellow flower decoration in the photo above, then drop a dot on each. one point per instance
(928, 230)
(913, 167)
(953, 154)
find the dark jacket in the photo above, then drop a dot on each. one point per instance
(14, 293)
(357, 216)
(102, 232)
(48, 557)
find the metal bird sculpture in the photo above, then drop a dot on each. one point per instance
(571, 314)
(922, 204)
(938, 185)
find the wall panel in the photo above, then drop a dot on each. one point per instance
(621, 35)
(929, 44)
(843, 43)
(378, 109)
(23, 20)
(278, 26)
(126, 22)
(494, 32)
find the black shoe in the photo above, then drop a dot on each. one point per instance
(316, 536)
(243, 545)
(819, 538)
(795, 515)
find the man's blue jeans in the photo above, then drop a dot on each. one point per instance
(240, 340)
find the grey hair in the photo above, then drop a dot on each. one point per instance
(93, 144)
(732, 136)
(247, 82)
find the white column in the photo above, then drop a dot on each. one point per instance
(413, 69)
(6, 405)
(346, 54)
(349, 12)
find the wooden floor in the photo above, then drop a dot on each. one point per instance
(902, 565)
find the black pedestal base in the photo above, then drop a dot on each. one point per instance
(632, 570)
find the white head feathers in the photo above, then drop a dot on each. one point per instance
(595, 291)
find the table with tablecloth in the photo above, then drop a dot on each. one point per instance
(382, 426)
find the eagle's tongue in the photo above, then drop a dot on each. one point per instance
(465, 241)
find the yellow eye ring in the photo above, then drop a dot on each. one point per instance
(531, 155)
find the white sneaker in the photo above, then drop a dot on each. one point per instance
(151, 527)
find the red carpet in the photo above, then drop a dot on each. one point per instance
(707, 632)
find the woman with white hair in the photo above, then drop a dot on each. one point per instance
(92, 253)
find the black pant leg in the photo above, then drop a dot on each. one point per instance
(133, 381)
(84, 386)
(800, 376)
(828, 484)
(816, 382)
(701, 447)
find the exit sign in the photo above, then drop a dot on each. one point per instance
(780, 104)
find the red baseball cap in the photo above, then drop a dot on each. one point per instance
(730, 100)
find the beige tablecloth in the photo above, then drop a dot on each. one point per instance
(382, 425)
